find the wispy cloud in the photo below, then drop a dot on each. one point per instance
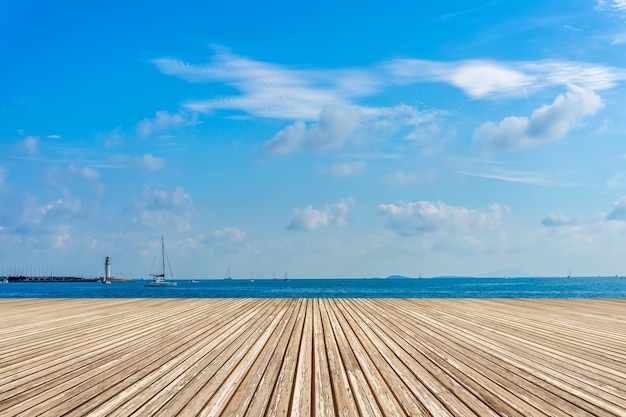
(410, 178)
(619, 5)
(346, 169)
(275, 91)
(493, 79)
(522, 177)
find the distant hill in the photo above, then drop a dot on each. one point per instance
(397, 277)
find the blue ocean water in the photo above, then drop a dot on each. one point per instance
(333, 288)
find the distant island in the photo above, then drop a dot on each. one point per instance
(398, 277)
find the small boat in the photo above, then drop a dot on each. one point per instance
(4, 280)
(227, 275)
(285, 277)
(158, 280)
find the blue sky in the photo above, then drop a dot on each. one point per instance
(334, 139)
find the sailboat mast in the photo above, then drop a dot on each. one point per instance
(163, 256)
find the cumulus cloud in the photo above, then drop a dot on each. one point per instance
(150, 162)
(547, 123)
(338, 126)
(601, 230)
(287, 140)
(590, 230)
(159, 209)
(163, 121)
(426, 217)
(441, 225)
(332, 131)
(311, 219)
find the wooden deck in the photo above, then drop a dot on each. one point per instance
(300, 357)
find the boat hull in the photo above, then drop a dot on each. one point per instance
(160, 284)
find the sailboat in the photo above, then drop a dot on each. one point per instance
(227, 276)
(158, 280)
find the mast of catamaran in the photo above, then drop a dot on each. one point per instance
(163, 257)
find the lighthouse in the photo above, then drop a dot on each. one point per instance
(107, 270)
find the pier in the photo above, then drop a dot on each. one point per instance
(320, 357)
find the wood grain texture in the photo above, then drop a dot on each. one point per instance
(321, 357)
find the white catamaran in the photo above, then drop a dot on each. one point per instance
(158, 280)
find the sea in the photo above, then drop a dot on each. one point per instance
(455, 287)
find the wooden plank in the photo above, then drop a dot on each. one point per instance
(322, 357)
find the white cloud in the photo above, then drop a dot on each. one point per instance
(339, 126)
(334, 128)
(114, 138)
(163, 121)
(287, 140)
(35, 220)
(439, 225)
(619, 5)
(419, 217)
(311, 219)
(409, 178)
(347, 169)
(30, 145)
(559, 220)
(523, 177)
(53, 137)
(588, 234)
(547, 123)
(160, 210)
(490, 79)
(268, 90)
(228, 234)
(85, 172)
(275, 91)
(90, 173)
(150, 162)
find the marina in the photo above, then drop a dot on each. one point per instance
(315, 356)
